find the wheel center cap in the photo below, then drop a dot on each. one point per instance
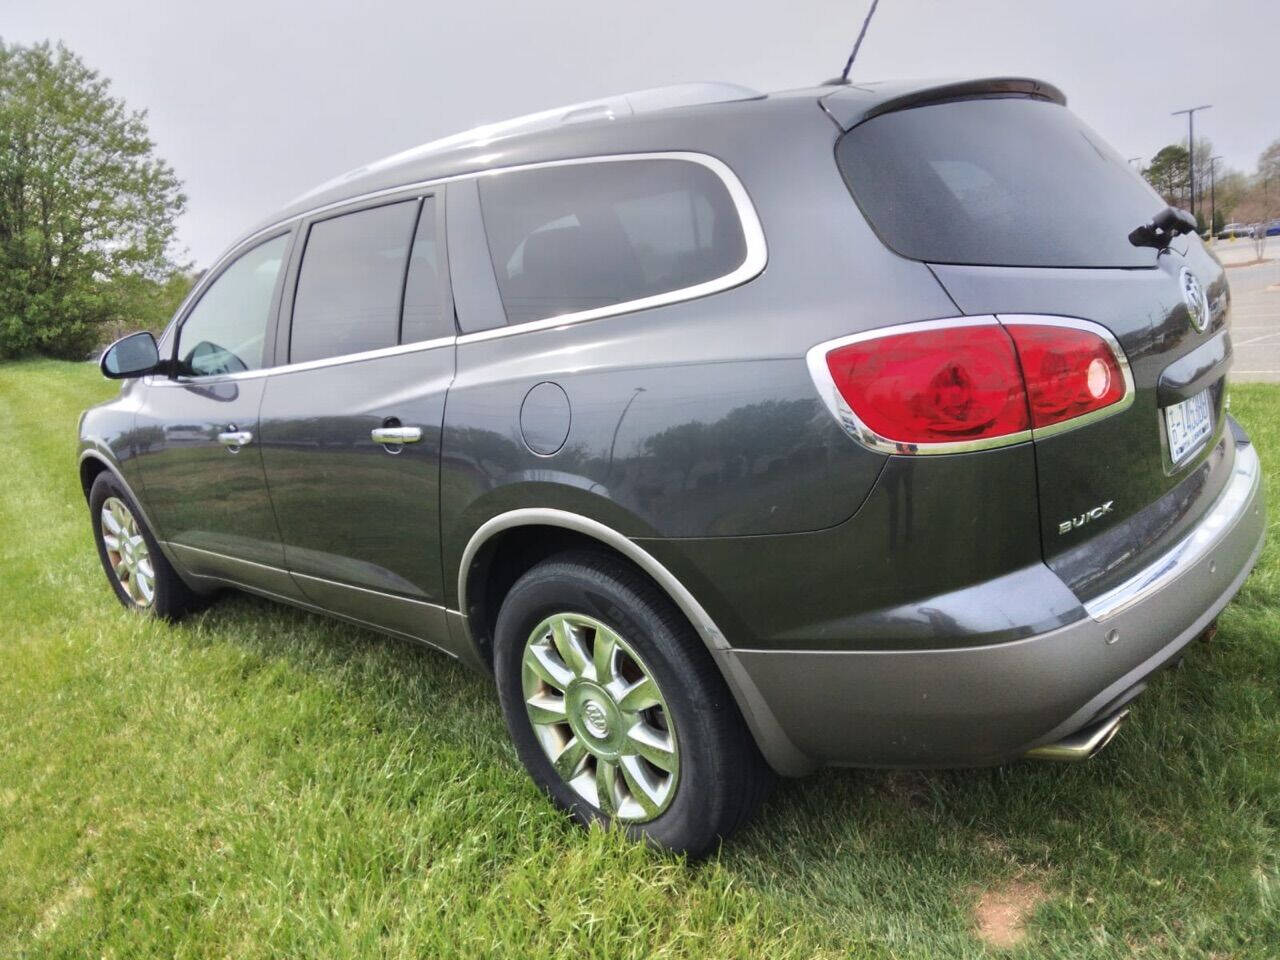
(595, 719)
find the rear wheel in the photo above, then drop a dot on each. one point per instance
(617, 709)
(139, 573)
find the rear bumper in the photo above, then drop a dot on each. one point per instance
(992, 703)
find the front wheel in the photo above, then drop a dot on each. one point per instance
(617, 709)
(139, 573)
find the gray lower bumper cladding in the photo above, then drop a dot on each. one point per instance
(994, 703)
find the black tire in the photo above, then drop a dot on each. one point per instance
(722, 777)
(172, 597)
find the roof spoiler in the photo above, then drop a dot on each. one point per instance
(852, 104)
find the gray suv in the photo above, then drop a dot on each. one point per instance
(875, 424)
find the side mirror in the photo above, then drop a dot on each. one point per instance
(133, 356)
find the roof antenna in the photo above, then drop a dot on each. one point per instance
(844, 77)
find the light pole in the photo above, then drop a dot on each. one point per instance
(1213, 197)
(1191, 147)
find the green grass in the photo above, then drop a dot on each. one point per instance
(261, 782)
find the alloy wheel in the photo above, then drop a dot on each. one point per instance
(600, 718)
(127, 552)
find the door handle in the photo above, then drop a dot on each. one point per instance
(235, 439)
(395, 436)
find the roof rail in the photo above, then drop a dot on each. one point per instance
(606, 108)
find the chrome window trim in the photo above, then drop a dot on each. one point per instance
(853, 425)
(1246, 476)
(286, 368)
(753, 262)
(752, 265)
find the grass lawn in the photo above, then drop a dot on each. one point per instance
(261, 782)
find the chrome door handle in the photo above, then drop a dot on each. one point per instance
(235, 438)
(395, 436)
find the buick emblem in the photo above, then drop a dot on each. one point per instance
(1193, 294)
(595, 719)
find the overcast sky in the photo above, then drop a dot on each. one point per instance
(255, 101)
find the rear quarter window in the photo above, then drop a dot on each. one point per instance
(1001, 181)
(576, 237)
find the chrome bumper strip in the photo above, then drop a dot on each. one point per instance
(1246, 475)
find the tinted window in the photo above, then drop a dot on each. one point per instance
(348, 297)
(1010, 182)
(425, 298)
(580, 236)
(227, 329)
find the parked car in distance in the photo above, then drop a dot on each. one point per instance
(1273, 228)
(1233, 230)
(732, 434)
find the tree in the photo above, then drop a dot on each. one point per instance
(1169, 174)
(1260, 201)
(1269, 162)
(1269, 180)
(1231, 189)
(87, 211)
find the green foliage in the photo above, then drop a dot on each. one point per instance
(87, 211)
(141, 303)
(1169, 174)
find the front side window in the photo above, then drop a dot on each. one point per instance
(227, 329)
(587, 235)
(350, 283)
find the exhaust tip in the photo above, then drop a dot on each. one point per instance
(1082, 744)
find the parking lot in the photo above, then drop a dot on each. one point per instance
(1255, 310)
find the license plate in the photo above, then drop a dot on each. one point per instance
(1187, 424)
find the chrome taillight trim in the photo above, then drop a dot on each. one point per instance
(855, 427)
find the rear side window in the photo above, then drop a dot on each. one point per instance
(350, 283)
(1006, 182)
(226, 330)
(583, 236)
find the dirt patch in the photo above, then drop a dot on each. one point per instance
(907, 788)
(1001, 912)
(61, 906)
(1247, 263)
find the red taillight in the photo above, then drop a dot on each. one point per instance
(946, 385)
(1068, 371)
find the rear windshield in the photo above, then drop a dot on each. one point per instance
(1006, 182)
